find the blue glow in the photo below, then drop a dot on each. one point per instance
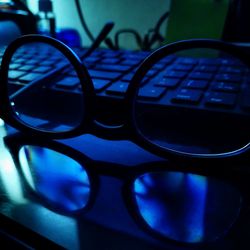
(187, 207)
(9, 177)
(24, 158)
(1, 123)
(139, 187)
(69, 36)
(62, 181)
(197, 186)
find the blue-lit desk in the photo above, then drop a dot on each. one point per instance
(107, 225)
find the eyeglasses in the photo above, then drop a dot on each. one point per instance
(171, 201)
(214, 73)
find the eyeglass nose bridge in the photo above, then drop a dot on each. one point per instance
(110, 132)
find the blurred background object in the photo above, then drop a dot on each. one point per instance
(17, 12)
(46, 22)
(142, 25)
(196, 19)
(140, 15)
(15, 19)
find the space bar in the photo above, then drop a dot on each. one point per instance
(104, 74)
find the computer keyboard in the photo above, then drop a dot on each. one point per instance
(212, 85)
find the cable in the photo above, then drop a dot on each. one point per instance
(107, 40)
(130, 31)
(82, 19)
(155, 33)
(160, 21)
(152, 36)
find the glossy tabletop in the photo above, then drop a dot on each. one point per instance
(107, 225)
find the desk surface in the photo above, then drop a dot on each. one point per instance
(107, 225)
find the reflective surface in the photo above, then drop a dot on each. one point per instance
(204, 108)
(184, 207)
(108, 220)
(106, 226)
(58, 179)
(187, 207)
(42, 103)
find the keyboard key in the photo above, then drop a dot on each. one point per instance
(100, 84)
(230, 70)
(168, 82)
(183, 67)
(15, 65)
(41, 57)
(30, 77)
(201, 76)
(42, 69)
(225, 86)
(118, 88)
(96, 53)
(217, 99)
(143, 54)
(112, 67)
(150, 92)
(195, 84)
(91, 59)
(20, 61)
(32, 62)
(159, 66)
(128, 77)
(130, 62)
(206, 68)
(25, 57)
(176, 74)
(48, 62)
(27, 67)
(186, 60)
(229, 62)
(228, 78)
(15, 74)
(111, 54)
(104, 74)
(187, 96)
(68, 82)
(110, 61)
(151, 73)
(168, 60)
(134, 56)
(79, 51)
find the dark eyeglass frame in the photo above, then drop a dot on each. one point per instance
(128, 130)
(128, 174)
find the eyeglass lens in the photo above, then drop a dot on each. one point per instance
(60, 180)
(186, 207)
(203, 105)
(44, 104)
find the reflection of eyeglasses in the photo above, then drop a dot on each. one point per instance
(173, 202)
(42, 107)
